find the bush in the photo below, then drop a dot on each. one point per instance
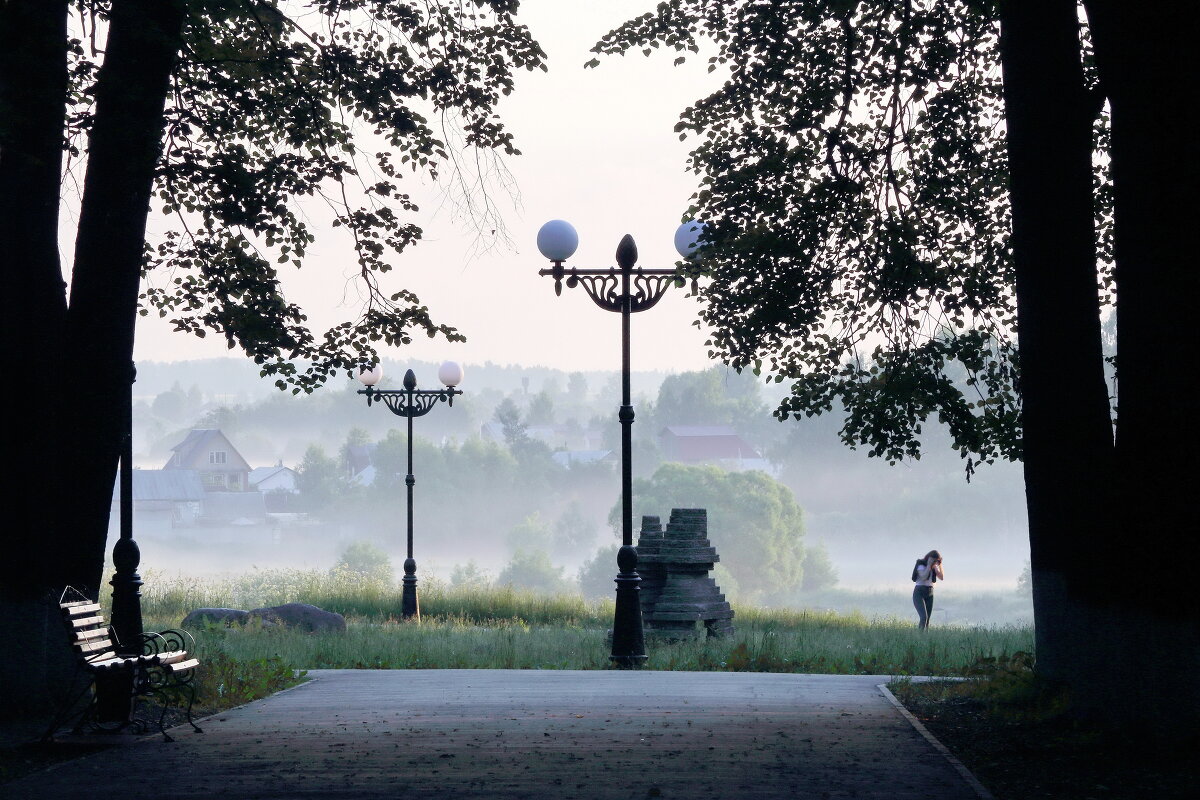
(469, 576)
(574, 532)
(365, 561)
(818, 570)
(1025, 581)
(753, 521)
(529, 535)
(532, 570)
(596, 575)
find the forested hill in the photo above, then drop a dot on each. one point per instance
(237, 379)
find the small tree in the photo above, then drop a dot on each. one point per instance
(532, 570)
(573, 531)
(597, 574)
(530, 534)
(753, 520)
(541, 409)
(364, 561)
(509, 417)
(819, 571)
(318, 479)
(1025, 580)
(469, 576)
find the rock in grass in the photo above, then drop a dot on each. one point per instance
(301, 616)
(202, 617)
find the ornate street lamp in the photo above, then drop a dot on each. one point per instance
(411, 402)
(625, 290)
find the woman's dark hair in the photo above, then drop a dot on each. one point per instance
(934, 555)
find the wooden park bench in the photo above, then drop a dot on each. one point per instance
(160, 665)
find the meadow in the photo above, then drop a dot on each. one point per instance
(487, 627)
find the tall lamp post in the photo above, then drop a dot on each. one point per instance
(115, 692)
(411, 402)
(623, 289)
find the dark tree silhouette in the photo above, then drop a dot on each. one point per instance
(917, 210)
(221, 114)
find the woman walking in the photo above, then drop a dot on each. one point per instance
(927, 572)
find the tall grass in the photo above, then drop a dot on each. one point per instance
(506, 628)
(169, 599)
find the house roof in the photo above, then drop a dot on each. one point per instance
(194, 440)
(365, 476)
(359, 456)
(260, 474)
(699, 430)
(705, 443)
(166, 484)
(197, 441)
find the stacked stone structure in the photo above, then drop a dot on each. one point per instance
(676, 590)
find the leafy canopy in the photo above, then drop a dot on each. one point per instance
(853, 178)
(275, 101)
(753, 520)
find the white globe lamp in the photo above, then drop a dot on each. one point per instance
(557, 240)
(372, 376)
(687, 237)
(450, 373)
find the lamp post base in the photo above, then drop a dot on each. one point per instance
(410, 608)
(628, 642)
(114, 694)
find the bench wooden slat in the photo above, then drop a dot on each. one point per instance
(113, 660)
(86, 621)
(171, 656)
(94, 633)
(82, 608)
(74, 603)
(92, 647)
(110, 661)
(180, 666)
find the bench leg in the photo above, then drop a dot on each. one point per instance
(66, 712)
(169, 694)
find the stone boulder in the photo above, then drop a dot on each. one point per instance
(203, 617)
(301, 616)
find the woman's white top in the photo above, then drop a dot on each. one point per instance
(925, 575)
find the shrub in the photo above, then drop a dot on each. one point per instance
(366, 562)
(818, 570)
(532, 570)
(596, 575)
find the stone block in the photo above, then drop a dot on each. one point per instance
(677, 590)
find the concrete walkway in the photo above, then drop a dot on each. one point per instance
(502, 734)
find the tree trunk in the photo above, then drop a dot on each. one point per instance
(1068, 438)
(124, 146)
(75, 425)
(1146, 61)
(33, 91)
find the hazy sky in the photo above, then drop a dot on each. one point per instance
(599, 151)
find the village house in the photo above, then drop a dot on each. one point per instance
(719, 445)
(229, 496)
(214, 458)
(163, 499)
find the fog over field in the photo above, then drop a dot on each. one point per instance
(525, 464)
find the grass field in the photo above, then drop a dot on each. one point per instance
(504, 628)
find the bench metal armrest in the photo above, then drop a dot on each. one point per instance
(157, 643)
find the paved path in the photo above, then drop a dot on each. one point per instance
(503, 734)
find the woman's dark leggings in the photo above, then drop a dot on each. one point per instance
(923, 600)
